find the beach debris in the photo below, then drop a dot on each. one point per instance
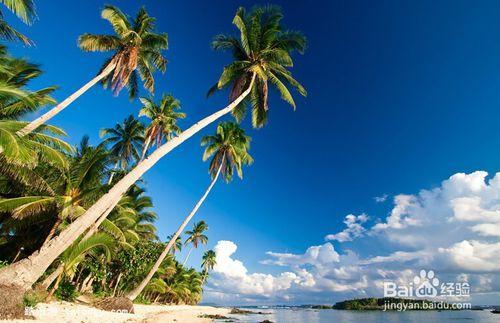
(235, 310)
(215, 317)
(116, 304)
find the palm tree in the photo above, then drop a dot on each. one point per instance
(177, 246)
(70, 190)
(74, 255)
(163, 118)
(195, 237)
(15, 98)
(126, 140)
(25, 273)
(263, 50)
(29, 150)
(208, 261)
(137, 53)
(24, 10)
(129, 222)
(229, 150)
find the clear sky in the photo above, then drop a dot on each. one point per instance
(401, 95)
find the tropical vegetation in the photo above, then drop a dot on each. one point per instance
(77, 219)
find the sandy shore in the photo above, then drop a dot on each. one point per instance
(69, 312)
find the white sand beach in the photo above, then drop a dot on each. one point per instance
(70, 312)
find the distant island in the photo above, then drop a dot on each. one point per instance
(390, 304)
(385, 304)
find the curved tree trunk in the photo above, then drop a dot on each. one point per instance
(61, 106)
(93, 229)
(136, 291)
(56, 284)
(25, 273)
(116, 284)
(45, 284)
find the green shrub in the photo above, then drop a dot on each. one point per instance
(141, 300)
(33, 297)
(66, 291)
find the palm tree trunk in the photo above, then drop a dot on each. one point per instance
(145, 148)
(135, 292)
(61, 106)
(53, 230)
(48, 281)
(187, 257)
(93, 229)
(84, 282)
(26, 272)
(56, 284)
(116, 284)
(45, 284)
(113, 172)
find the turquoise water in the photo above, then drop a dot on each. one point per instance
(323, 316)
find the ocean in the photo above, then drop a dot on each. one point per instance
(303, 315)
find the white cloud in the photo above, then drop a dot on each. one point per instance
(453, 229)
(487, 229)
(354, 228)
(315, 255)
(474, 256)
(381, 199)
(232, 276)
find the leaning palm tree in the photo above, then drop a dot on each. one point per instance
(24, 10)
(263, 50)
(195, 237)
(137, 53)
(24, 273)
(125, 140)
(208, 261)
(163, 118)
(229, 150)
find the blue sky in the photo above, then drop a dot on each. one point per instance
(401, 95)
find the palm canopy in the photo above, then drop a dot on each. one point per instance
(15, 98)
(163, 116)
(137, 50)
(27, 151)
(197, 236)
(68, 192)
(131, 219)
(229, 149)
(263, 48)
(125, 139)
(177, 245)
(209, 260)
(24, 10)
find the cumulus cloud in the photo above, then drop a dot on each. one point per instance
(354, 228)
(453, 229)
(232, 276)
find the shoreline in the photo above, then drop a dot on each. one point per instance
(72, 312)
